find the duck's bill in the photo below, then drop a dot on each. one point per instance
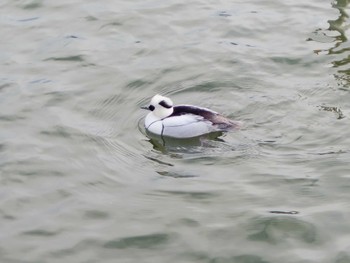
(144, 108)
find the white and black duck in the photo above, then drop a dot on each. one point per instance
(183, 121)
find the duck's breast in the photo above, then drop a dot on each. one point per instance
(153, 124)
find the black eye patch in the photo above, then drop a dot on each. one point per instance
(151, 107)
(164, 104)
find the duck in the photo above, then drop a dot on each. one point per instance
(183, 121)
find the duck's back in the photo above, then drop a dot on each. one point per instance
(215, 118)
(190, 109)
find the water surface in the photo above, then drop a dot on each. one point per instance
(80, 180)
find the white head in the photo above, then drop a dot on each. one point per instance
(161, 106)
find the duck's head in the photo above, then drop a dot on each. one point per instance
(160, 106)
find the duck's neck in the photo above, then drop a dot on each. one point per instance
(163, 113)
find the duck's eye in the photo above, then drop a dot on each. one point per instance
(151, 107)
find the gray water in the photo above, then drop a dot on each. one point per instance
(80, 180)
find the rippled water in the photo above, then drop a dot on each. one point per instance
(80, 180)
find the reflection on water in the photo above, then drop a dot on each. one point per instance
(336, 110)
(163, 143)
(336, 33)
(341, 25)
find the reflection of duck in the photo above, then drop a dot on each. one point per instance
(183, 121)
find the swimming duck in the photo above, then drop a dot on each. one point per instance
(183, 121)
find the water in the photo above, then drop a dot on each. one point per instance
(81, 182)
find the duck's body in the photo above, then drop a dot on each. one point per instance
(183, 121)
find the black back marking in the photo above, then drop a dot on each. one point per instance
(182, 109)
(209, 115)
